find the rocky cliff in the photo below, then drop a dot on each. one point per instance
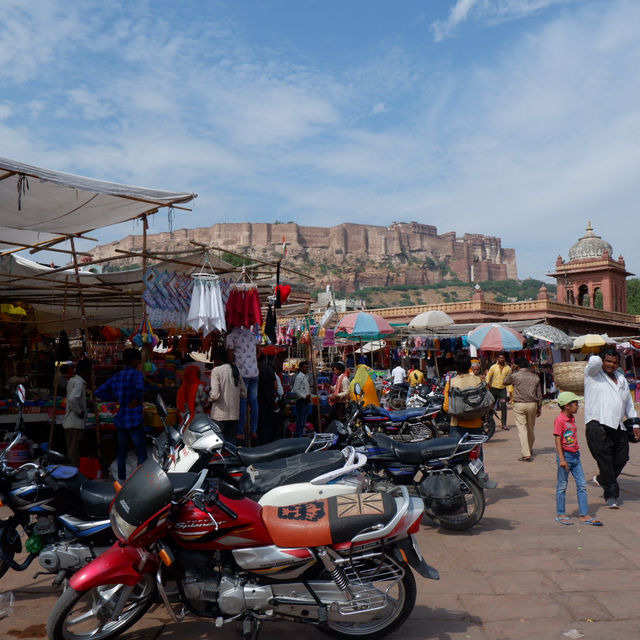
(349, 256)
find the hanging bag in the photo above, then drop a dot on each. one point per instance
(471, 402)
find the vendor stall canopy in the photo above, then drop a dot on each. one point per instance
(39, 205)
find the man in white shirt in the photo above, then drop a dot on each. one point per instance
(607, 403)
(76, 411)
(398, 374)
(302, 391)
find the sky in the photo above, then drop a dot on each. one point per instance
(512, 118)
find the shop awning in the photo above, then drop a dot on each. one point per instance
(39, 205)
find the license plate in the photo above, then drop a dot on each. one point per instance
(476, 465)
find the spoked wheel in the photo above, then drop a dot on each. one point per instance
(401, 599)
(93, 614)
(489, 425)
(468, 515)
(396, 402)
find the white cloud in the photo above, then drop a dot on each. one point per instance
(490, 11)
(526, 146)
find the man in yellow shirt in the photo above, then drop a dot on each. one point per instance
(495, 379)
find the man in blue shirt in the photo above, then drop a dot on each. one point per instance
(126, 388)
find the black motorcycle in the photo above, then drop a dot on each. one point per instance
(446, 472)
(433, 399)
(63, 516)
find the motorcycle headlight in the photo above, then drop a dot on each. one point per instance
(120, 526)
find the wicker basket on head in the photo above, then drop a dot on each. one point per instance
(569, 376)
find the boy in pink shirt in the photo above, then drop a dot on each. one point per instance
(568, 459)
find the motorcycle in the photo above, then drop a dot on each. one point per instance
(433, 399)
(415, 423)
(446, 472)
(64, 516)
(397, 396)
(269, 474)
(340, 564)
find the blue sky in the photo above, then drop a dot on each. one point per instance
(514, 118)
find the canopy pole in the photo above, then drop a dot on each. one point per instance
(87, 353)
(315, 373)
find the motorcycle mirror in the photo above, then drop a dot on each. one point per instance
(161, 408)
(21, 395)
(357, 389)
(174, 437)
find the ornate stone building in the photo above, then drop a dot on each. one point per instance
(591, 277)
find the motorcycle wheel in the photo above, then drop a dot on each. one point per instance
(489, 425)
(474, 510)
(396, 402)
(10, 544)
(80, 615)
(402, 599)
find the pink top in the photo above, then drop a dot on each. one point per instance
(566, 429)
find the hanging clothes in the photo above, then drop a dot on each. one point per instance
(270, 325)
(206, 310)
(243, 306)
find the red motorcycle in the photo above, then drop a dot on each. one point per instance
(340, 564)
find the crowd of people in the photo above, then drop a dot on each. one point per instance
(245, 395)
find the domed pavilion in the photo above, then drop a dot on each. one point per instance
(591, 277)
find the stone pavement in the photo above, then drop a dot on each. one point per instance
(518, 575)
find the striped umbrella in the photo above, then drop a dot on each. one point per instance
(495, 337)
(363, 326)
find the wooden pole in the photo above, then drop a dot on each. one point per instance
(315, 374)
(85, 336)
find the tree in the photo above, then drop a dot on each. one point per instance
(633, 296)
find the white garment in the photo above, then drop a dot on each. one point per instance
(398, 375)
(301, 387)
(605, 400)
(76, 411)
(206, 310)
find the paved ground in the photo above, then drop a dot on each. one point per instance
(517, 575)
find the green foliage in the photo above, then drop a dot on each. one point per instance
(232, 259)
(633, 296)
(516, 289)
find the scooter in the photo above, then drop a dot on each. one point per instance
(341, 564)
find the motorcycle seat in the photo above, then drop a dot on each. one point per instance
(417, 452)
(96, 497)
(282, 448)
(262, 477)
(406, 414)
(331, 521)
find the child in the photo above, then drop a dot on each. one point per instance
(568, 458)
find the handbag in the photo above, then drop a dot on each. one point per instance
(471, 402)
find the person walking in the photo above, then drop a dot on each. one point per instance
(398, 374)
(227, 388)
(242, 347)
(267, 393)
(302, 391)
(126, 387)
(527, 404)
(340, 392)
(191, 396)
(495, 379)
(607, 403)
(75, 416)
(565, 434)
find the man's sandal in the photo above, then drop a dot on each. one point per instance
(564, 520)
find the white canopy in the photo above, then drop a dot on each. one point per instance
(38, 204)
